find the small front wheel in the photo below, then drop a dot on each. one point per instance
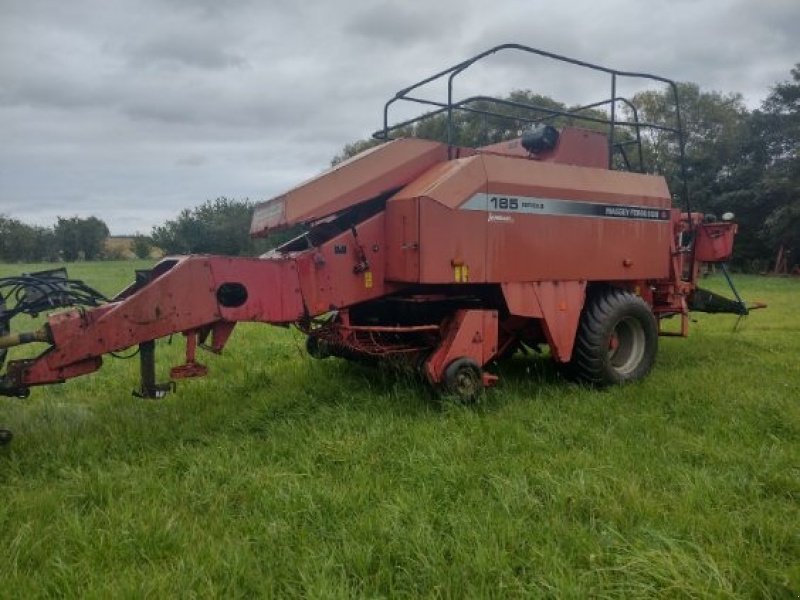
(5, 437)
(463, 378)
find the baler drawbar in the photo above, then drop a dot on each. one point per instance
(443, 257)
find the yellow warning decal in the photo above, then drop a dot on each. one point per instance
(368, 279)
(461, 273)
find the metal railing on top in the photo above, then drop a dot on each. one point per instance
(451, 107)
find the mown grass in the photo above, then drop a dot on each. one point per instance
(280, 475)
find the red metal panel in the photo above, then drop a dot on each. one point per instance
(714, 241)
(449, 183)
(452, 244)
(576, 146)
(524, 246)
(366, 175)
(345, 270)
(550, 180)
(521, 298)
(557, 303)
(402, 239)
(499, 246)
(561, 303)
(272, 284)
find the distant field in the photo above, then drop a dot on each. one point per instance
(280, 475)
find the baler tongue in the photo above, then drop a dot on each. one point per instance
(710, 302)
(706, 301)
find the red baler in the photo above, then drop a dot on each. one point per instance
(442, 257)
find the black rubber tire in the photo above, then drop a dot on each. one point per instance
(463, 379)
(617, 339)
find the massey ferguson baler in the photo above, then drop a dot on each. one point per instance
(440, 257)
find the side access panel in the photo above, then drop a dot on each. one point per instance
(453, 246)
(450, 244)
(346, 269)
(402, 240)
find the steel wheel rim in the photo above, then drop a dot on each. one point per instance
(626, 345)
(466, 382)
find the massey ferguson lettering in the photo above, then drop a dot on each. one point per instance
(563, 208)
(632, 212)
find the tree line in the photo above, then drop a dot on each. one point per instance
(70, 239)
(737, 160)
(219, 226)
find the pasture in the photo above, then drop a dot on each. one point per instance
(280, 475)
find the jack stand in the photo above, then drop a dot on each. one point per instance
(5, 437)
(147, 362)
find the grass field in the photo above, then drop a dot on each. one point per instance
(280, 475)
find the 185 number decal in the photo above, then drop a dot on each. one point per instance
(504, 203)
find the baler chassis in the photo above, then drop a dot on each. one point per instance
(421, 252)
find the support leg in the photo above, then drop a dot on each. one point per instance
(147, 363)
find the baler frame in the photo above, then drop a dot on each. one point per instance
(404, 257)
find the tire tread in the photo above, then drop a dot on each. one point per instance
(604, 307)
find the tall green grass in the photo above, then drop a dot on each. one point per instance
(281, 475)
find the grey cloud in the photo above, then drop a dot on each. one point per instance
(135, 109)
(401, 22)
(193, 160)
(180, 49)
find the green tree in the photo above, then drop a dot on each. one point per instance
(141, 246)
(726, 159)
(79, 238)
(778, 122)
(21, 242)
(715, 128)
(218, 226)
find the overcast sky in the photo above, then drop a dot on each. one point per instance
(131, 110)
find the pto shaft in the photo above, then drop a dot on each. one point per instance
(17, 339)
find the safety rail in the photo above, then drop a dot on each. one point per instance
(450, 107)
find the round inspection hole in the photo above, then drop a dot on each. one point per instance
(231, 294)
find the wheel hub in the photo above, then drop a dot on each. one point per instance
(626, 345)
